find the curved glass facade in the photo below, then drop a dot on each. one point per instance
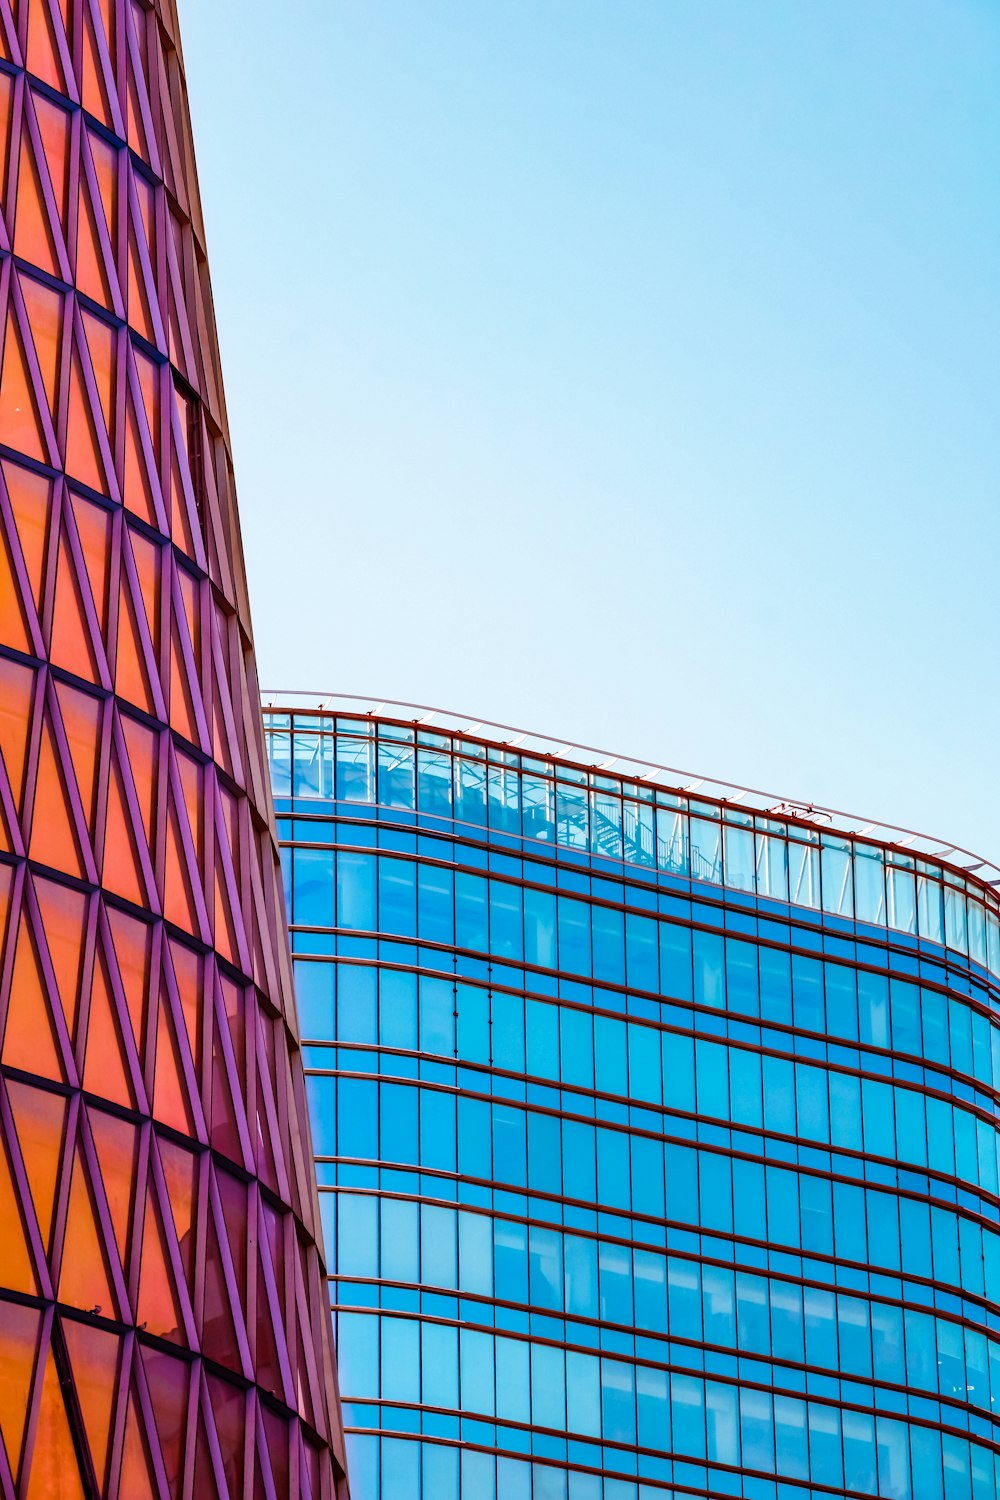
(656, 1137)
(162, 1331)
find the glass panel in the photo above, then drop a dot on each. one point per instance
(355, 769)
(869, 884)
(739, 858)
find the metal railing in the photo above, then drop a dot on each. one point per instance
(982, 871)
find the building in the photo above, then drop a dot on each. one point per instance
(162, 1323)
(655, 1123)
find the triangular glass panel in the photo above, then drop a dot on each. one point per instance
(169, 1381)
(53, 836)
(105, 1071)
(19, 419)
(83, 460)
(116, 1143)
(17, 690)
(170, 1095)
(44, 306)
(18, 1346)
(64, 922)
(93, 1357)
(83, 1278)
(136, 1479)
(40, 1122)
(72, 644)
(54, 1466)
(42, 53)
(81, 718)
(29, 1041)
(159, 1309)
(16, 1269)
(33, 237)
(30, 497)
(180, 1172)
(94, 526)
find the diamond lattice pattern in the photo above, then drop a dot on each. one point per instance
(163, 1323)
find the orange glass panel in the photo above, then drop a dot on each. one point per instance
(188, 976)
(6, 111)
(131, 677)
(17, 685)
(138, 490)
(233, 1195)
(64, 921)
(170, 1101)
(83, 1277)
(148, 566)
(91, 275)
(225, 928)
(266, 1363)
(42, 56)
(105, 157)
(141, 743)
(105, 1071)
(40, 1121)
(93, 1357)
(31, 501)
(29, 1040)
(159, 1309)
(218, 1337)
(133, 942)
(54, 129)
(71, 643)
(54, 1473)
(102, 342)
(53, 840)
(82, 459)
(6, 881)
(19, 419)
(138, 303)
(193, 786)
(136, 1482)
(81, 717)
(181, 523)
(33, 238)
(116, 1143)
(94, 527)
(178, 902)
(121, 871)
(149, 384)
(225, 1135)
(229, 1410)
(168, 1381)
(106, 11)
(182, 716)
(18, 1343)
(44, 306)
(180, 1170)
(95, 95)
(13, 616)
(16, 1271)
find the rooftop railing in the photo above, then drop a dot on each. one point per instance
(527, 742)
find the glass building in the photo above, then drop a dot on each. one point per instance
(656, 1124)
(163, 1334)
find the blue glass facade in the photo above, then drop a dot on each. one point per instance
(656, 1136)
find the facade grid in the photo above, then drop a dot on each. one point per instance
(162, 1332)
(656, 1135)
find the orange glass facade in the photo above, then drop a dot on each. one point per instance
(163, 1316)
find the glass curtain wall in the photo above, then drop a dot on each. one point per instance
(656, 1141)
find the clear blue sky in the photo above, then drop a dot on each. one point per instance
(628, 371)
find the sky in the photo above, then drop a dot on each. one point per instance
(629, 372)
